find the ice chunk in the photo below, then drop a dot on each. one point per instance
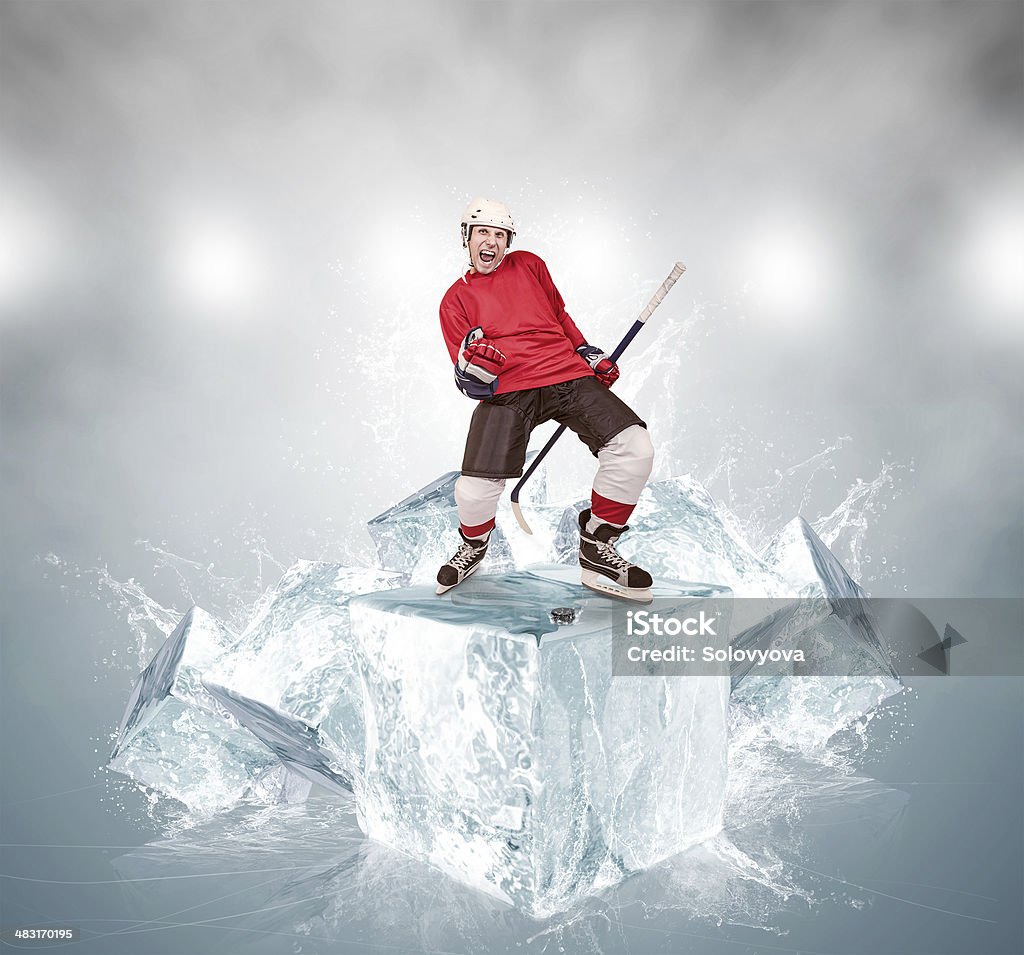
(295, 655)
(177, 739)
(844, 679)
(803, 713)
(300, 747)
(176, 671)
(500, 748)
(849, 667)
(677, 532)
(417, 535)
(852, 641)
(803, 560)
(288, 655)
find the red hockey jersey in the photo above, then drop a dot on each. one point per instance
(521, 311)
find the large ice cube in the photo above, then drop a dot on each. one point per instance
(176, 738)
(501, 749)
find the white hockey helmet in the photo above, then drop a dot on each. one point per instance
(487, 212)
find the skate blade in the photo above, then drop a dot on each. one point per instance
(603, 585)
(444, 588)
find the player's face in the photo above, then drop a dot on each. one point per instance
(487, 245)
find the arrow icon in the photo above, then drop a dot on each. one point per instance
(937, 657)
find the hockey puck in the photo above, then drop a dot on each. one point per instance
(563, 616)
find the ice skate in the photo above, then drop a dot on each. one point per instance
(606, 571)
(464, 562)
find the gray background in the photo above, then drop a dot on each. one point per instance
(225, 229)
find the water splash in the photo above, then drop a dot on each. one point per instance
(854, 517)
(147, 621)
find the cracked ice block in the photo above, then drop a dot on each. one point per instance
(177, 739)
(501, 749)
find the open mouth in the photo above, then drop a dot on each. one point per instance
(487, 257)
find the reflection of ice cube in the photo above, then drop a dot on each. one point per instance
(177, 739)
(501, 750)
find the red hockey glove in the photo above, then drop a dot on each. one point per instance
(606, 370)
(482, 353)
(476, 371)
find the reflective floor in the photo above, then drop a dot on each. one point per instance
(907, 838)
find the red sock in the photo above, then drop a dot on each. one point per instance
(478, 530)
(608, 511)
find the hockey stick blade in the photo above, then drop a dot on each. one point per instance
(518, 511)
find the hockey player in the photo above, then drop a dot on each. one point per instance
(518, 353)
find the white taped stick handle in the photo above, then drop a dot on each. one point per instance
(659, 296)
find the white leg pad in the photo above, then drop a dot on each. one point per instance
(477, 499)
(624, 465)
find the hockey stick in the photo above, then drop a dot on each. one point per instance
(655, 301)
